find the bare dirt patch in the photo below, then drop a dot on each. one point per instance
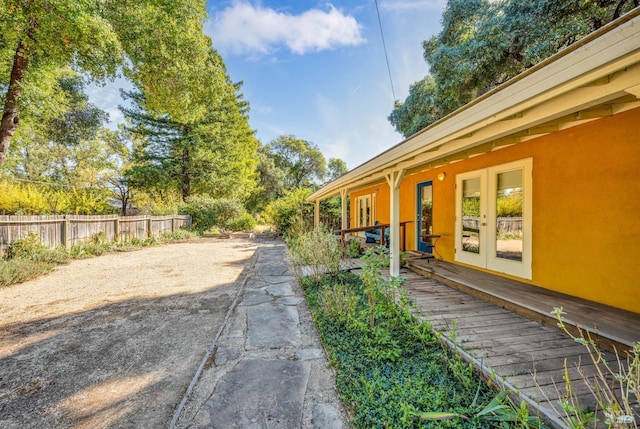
(114, 341)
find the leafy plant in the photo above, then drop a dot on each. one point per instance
(315, 253)
(387, 376)
(96, 247)
(290, 211)
(244, 222)
(380, 292)
(27, 258)
(339, 302)
(19, 270)
(207, 212)
(389, 372)
(615, 390)
(30, 247)
(500, 411)
(177, 235)
(352, 249)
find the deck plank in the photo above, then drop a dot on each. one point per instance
(528, 355)
(615, 324)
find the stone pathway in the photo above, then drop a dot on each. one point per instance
(267, 369)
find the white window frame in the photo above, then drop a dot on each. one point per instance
(487, 258)
(366, 200)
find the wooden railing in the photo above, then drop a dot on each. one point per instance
(381, 227)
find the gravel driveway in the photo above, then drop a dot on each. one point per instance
(114, 340)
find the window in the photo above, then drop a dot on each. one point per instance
(363, 211)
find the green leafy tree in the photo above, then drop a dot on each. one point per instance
(289, 169)
(484, 43)
(214, 155)
(418, 110)
(292, 212)
(335, 168)
(303, 163)
(270, 181)
(73, 147)
(158, 44)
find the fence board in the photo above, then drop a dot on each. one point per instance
(69, 230)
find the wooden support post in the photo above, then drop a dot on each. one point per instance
(316, 214)
(66, 240)
(149, 228)
(345, 218)
(116, 229)
(394, 179)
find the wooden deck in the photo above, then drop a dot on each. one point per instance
(611, 327)
(506, 330)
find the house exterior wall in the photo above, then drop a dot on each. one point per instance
(586, 205)
(381, 211)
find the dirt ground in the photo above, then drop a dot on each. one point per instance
(114, 341)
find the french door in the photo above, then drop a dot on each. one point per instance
(493, 218)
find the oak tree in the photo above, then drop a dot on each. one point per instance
(484, 43)
(156, 44)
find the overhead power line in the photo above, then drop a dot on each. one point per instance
(384, 47)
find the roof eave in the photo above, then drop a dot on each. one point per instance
(614, 46)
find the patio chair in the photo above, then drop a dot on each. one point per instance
(373, 235)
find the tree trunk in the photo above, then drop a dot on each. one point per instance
(10, 118)
(186, 179)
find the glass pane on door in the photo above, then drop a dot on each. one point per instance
(471, 215)
(425, 216)
(426, 210)
(509, 208)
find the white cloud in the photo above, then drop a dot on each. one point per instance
(245, 28)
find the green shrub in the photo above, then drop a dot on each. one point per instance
(339, 302)
(178, 235)
(352, 249)
(20, 269)
(244, 222)
(207, 212)
(89, 250)
(317, 250)
(95, 247)
(290, 211)
(25, 247)
(30, 247)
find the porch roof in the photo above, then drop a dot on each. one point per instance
(595, 77)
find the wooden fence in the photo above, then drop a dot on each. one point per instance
(68, 230)
(504, 225)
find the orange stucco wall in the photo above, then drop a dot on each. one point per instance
(586, 208)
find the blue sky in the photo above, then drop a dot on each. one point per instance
(317, 70)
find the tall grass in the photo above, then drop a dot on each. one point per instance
(615, 389)
(316, 252)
